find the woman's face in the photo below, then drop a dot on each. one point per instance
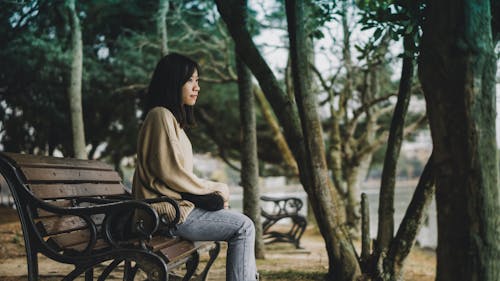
(190, 90)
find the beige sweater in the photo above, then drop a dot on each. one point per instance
(165, 163)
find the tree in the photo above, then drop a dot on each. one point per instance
(312, 166)
(75, 86)
(342, 260)
(344, 255)
(358, 96)
(388, 182)
(457, 69)
(249, 161)
(163, 7)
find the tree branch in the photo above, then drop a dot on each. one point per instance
(412, 221)
(130, 88)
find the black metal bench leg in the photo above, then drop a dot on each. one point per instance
(32, 264)
(127, 271)
(191, 266)
(301, 224)
(89, 275)
(213, 255)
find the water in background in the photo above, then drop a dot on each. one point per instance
(427, 236)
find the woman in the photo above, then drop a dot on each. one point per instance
(165, 167)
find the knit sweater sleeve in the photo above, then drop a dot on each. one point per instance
(162, 158)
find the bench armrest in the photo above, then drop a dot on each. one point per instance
(283, 206)
(163, 219)
(164, 222)
(111, 209)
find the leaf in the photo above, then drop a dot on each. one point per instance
(359, 48)
(377, 33)
(409, 29)
(394, 35)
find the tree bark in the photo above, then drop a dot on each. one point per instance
(344, 265)
(249, 160)
(410, 225)
(386, 200)
(457, 69)
(365, 230)
(278, 135)
(75, 87)
(325, 201)
(352, 199)
(163, 7)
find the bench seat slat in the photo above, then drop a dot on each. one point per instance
(61, 224)
(41, 213)
(69, 175)
(64, 240)
(100, 244)
(160, 242)
(45, 161)
(61, 190)
(178, 250)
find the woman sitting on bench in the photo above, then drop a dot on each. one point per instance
(165, 168)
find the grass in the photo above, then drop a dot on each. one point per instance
(292, 275)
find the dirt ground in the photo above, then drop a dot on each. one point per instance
(283, 262)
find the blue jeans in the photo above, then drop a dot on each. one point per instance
(225, 225)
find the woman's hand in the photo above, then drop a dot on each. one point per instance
(223, 190)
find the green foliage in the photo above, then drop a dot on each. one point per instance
(121, 49)
(34, 107)
(321, 12)
(393, 18)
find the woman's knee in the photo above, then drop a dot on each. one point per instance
(248, 226)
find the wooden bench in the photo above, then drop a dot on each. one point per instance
(76, 212)
(283, 208)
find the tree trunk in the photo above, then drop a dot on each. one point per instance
(313, 176)
(343, 264)
(163, 7)
(352, 199)
(388, 182)
(275, 128)
(335, 149)
(75, 87)
(410, 225)
(249, 161)
(366, 240)
(457, 69)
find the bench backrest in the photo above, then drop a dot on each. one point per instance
(38, 181)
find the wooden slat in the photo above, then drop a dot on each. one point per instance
(41, 213)
(100, 244)
(59, 191)
(64, 240)
(69, 175)
(160, 242)
(178, 250)
(56, 225)
(46, 161)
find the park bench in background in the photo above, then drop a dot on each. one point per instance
(283, 208)
(73, 211)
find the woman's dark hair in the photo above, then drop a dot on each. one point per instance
(165, 88)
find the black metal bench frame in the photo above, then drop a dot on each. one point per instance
(283, 208)
(135, 252)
